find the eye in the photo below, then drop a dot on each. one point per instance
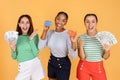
(27, 22)
(93, 21)
(57, 18)
(64, 20)
(87, 21)
(21, 22)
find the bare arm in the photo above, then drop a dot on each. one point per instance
(73, 42)
(33, 34)
(81, 53)
(12, 46)
(13, 49)
(45, 30)
(106, 54)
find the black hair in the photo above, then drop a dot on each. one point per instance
(61, 12)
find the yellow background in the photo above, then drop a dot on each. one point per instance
(108, 12)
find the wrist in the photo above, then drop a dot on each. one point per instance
(44, 30)
(31, 38)
(107, 50)
(74, 46)
(13, 49)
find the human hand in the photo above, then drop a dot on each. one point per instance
(106, 47)
(33, 34)
(71, 33)
(73, 38)
(47, 25)
(46, 28)
(13, 45)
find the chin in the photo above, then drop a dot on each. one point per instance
(25, 32)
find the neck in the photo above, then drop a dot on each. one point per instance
(24, 33)
(92, 33)
(59, 30)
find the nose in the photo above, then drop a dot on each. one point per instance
(90, 23)
(25, 24)
(59, 22)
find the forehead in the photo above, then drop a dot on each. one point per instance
(90, 18)
(24, 19)
(61, 15)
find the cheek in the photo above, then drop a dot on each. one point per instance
(56, 21)
(28, 25)
(86, 25)
(20, 25)
(95, 25)
(64, 23)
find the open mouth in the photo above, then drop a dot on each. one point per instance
(91, 28)
(25, 29)
(58, 25)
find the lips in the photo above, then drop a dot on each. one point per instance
(24, 28)
(58, 25)
(90, 28)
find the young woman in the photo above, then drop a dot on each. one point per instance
(91, 52)
(26, 51)
(60, 44)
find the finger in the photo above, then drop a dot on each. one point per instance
(36, 31)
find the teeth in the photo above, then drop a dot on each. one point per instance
(91, 28)
(58, 25)
(24, 28)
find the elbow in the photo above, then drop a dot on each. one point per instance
(81, 57)
(106, 56)
(39, 47)
(36, 53)
(14, 57)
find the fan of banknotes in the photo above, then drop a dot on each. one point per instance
(11, 36)
(106, 37)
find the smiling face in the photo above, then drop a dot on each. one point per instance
(60, 21)
(90, 23)
(24, 24)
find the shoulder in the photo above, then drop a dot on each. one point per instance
(51, 31)
(81, 36)
(65, 33)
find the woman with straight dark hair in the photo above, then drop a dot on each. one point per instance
(26, 51)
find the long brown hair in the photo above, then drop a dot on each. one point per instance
(31, 29)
